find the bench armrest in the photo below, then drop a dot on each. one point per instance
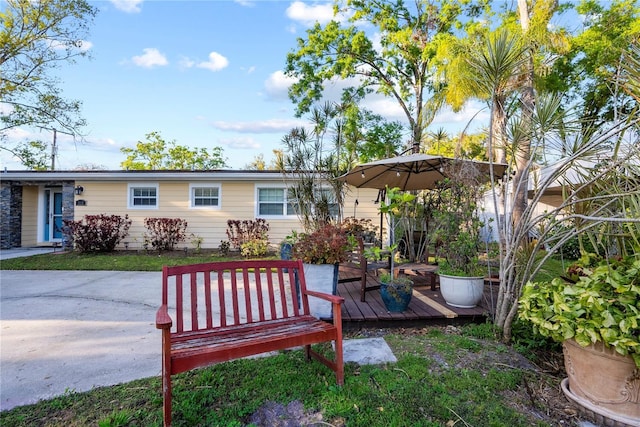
(335, 299)
(163, 320)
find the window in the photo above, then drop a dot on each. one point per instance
(205, 196)
(143, 196)
(274, 201)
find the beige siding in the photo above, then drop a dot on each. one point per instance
(29, 216)
(237, 200)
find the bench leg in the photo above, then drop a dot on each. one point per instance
(307, 352)
(339, 362)
(166, 385)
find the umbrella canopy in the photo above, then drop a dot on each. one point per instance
(413, 171)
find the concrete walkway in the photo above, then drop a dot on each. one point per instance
(74, 330)
(23, 252)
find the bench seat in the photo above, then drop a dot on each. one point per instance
(190, 350)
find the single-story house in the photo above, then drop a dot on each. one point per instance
(34, 203)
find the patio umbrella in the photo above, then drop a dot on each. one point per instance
(412, 172)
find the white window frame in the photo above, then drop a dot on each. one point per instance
(285, 202)
(132, 186)
(192, 198)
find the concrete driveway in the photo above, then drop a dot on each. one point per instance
(63, 331)
(74, 330)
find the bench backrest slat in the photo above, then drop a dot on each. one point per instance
(179, 306)
(236, 292)
(194, 301)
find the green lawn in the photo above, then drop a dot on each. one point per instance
(118, 260)
(440, 379)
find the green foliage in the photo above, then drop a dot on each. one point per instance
(457, 232)
(405, 69)
(224, 247)
(32, 154)
(424, 388)
(311, 163)
(603, 305)
(255, 248)
(29, 30)
(586, 71)
(155, 153)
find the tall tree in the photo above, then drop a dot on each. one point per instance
(587, 71)
(401, 64)
(155, 153)
(36, 37)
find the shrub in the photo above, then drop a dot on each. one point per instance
(96, 233)
(164, 233)
(254, 248)
(327, 245)
(224, 247)
(363, 228)
(244, 231)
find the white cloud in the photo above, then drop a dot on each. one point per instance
(245, 3)
(243, 143)
(310, 14)
(128, 6)
(186, 62)
(264, 126)
(150, 58)
(277, 85)
(216, 62)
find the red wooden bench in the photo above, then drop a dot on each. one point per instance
(216, 312)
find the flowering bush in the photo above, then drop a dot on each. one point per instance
(329, 244)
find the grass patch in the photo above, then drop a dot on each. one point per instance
(115, 261)
(424, 388)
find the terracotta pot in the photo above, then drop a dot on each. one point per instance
(603, 381)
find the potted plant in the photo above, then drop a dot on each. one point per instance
(286, 246)
(321, 251)
(395, 291)
(594, 311)
(458, 240)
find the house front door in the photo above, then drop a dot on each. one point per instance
(53, 215)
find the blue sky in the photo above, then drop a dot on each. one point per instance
(202, 73)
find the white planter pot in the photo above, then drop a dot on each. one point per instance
(321, 278)
(462, 292)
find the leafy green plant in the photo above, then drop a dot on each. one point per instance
(254, 248)
(224, 247)
(458, 230)
(599, 301)
(396, 286)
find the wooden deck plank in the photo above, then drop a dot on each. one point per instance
(426, 306)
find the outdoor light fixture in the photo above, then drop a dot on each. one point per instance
(398, 173)
(78, 190)
(362, 174)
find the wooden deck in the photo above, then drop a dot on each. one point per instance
(426, 307)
